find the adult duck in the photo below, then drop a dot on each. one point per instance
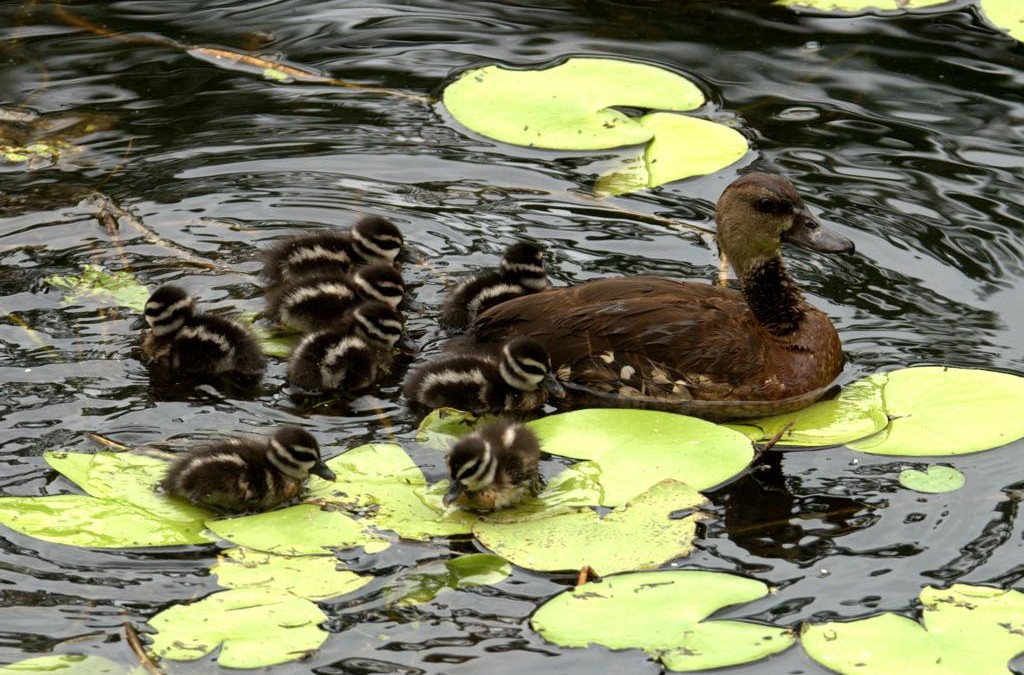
(694, 347)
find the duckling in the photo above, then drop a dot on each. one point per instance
(185, 341)
(247, 474)
(495, 467)
(371, 239)
(521, 272)
(317, 301)
(688, 341)
(518, 380)
(352, 356)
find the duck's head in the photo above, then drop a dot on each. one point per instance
(295, 452)
(376, 239)
(167, 310)
(378, 323)
(380, 281)
(759, 211)
(526, 365)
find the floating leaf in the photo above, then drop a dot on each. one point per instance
(35, 153)
(310, 577)
(426, 582)
(964, 629)
(305, 529)
(637, 448)
(935, 480)
(569, 106)
(947, 411)
(257, 628)
(1006, 14)
(118, 288)
(681, 147)
(66, 664)
(860, 5)
(856, 413)
(443, 426)
(638, 535)
(388, 489)
(665, 614)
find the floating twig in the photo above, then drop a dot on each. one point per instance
(107, 442)
(133, 641)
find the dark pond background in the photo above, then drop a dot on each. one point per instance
(904, 132)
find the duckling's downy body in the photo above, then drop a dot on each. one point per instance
(517, 380)
(521, 272)
(351, 357)
(658, 337)
(495, 467)
(247, 474)
(372, 239)
(187, 342)
(319, 301)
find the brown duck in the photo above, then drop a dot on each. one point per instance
(640, 340)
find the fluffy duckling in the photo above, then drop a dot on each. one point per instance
(193, 343)
(318, 301)
(247, 474)
(352, 356)
(521, 272)
(518, 380)
(371, 239)
(495, 467)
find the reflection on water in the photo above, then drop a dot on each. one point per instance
(903, 132)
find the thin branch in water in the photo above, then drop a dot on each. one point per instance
(107, 442)
(133, 641)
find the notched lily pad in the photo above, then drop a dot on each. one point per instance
(963, 629)
(636, 448)
(425, 582)
(934, 480)
(256, 627)
(638, 535)
(310, 577)
(666, 615)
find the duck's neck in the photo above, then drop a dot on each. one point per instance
(774, 299)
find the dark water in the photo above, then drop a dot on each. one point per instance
(905, 133)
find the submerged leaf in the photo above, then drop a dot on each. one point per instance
(934, 480)
(118, 288)
(638, 535)
(426, 582)
(257, 627)
(569, 106)
(963, 629)
(66, 664)
(665, 614)
(310, 577)
(636, 448)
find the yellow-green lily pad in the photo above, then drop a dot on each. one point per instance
(65, 664)
(637, 535)
(963, 629)
(304, 529)
(256, 627)
(860, 5)
(666, 615)
(117, 288)
(1007, 15)
(934, 480)
(311, 577)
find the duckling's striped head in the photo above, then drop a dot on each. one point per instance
(376, 239)
(294, 452)
(167, 309)
(524, 263)
(378, 323)
(525, 365)
(380, 281)
(499, 458)
(472, 465)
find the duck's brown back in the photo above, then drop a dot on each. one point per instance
(658, 337)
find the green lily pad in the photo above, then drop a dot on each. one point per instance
(1007, 15)
(257, 628)
(309, 577)
(443, 426)
(65, 664)
(947, 411)
(383, 485)
(934, 480)
(638, 535)
(856, 413)
(964, 629)
(637, 448)
(665, 614)
(117, 288)
(680, 148)
(860, 5)
(426, 582)
(569, 106)
(304, 529)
